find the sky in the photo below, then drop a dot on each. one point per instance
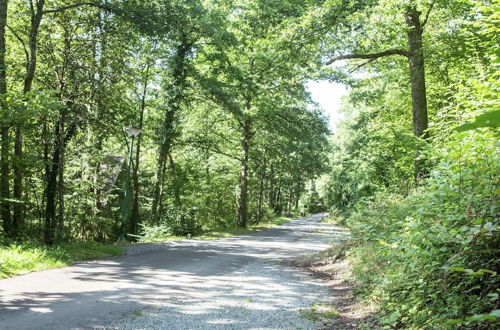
(329, 97)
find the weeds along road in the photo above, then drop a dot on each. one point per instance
(241, 282)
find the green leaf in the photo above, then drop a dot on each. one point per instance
(488, 119)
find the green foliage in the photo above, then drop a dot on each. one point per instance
(489, 119)
(430, 256)
(164, 232)
(425, 253)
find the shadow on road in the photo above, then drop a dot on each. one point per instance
(193, 277)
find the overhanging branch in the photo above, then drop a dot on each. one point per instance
(21, 41)
(428, 13)
(372, 56)
(90, 4)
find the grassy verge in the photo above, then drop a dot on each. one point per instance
(235, 231)
(21, 259)
(161, 233)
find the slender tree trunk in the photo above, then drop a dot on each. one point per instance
(177, 191)
(163, 152)
(179, 75)
(18, 179)
(36, 19)
(51, 187)
(60, 186)
(242, 207)
(261, 192)
(271, 188)
(135, 170)
(277, 201)
(297, 195)
(417, 78)
(59, 144)
(4, 153)
(289, 202)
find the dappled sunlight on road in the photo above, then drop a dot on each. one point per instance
(240, 275)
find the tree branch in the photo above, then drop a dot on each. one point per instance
(373, 56)
(362, 65)
(91, 4)
(21, 41)
(428, 13)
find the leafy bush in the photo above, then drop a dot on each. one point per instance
(173, 223)
(429, 259)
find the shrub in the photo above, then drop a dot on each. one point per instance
(429, 258)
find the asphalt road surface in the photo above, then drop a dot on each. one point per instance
(241, 282)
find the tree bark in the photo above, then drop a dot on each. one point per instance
(36, 20)
(4, 153)
(179, 75)
(135, 170)
(50, 189)
(261, 191)
(415, 55)
(58, 145)
(60, 184)
(271, 201)
(242, 207)
(177, 191)
(417, 78)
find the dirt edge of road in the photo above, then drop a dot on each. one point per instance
(332, 266)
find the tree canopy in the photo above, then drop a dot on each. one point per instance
(230, 137)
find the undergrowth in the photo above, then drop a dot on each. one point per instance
(165, 232)
(429, 259)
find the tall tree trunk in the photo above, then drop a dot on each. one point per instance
(60, 186)
(60, 140)
(135, 170)
(242, 208)
(278, 208)
(51, 187)
(17, 218)
(297, 194)
(4, 153)
(417, 78)
(261, 192)
(179, 75)
(163, 152)
(415, 56)
(36, 20)
(177, 191)
(271, 188)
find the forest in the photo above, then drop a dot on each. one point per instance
(129, 120)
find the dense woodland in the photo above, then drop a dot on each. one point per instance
(230, 135)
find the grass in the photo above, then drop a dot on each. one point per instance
(320, 311)
(19, 259)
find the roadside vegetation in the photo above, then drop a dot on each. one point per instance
(155, 118)
(167, 232)
(425, 230)
(23, 258)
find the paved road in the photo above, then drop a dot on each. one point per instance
(238, 283)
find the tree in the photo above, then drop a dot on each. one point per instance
(414, 52)
(4, 127)
(254, 78)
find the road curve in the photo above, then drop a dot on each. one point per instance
(238, 283)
